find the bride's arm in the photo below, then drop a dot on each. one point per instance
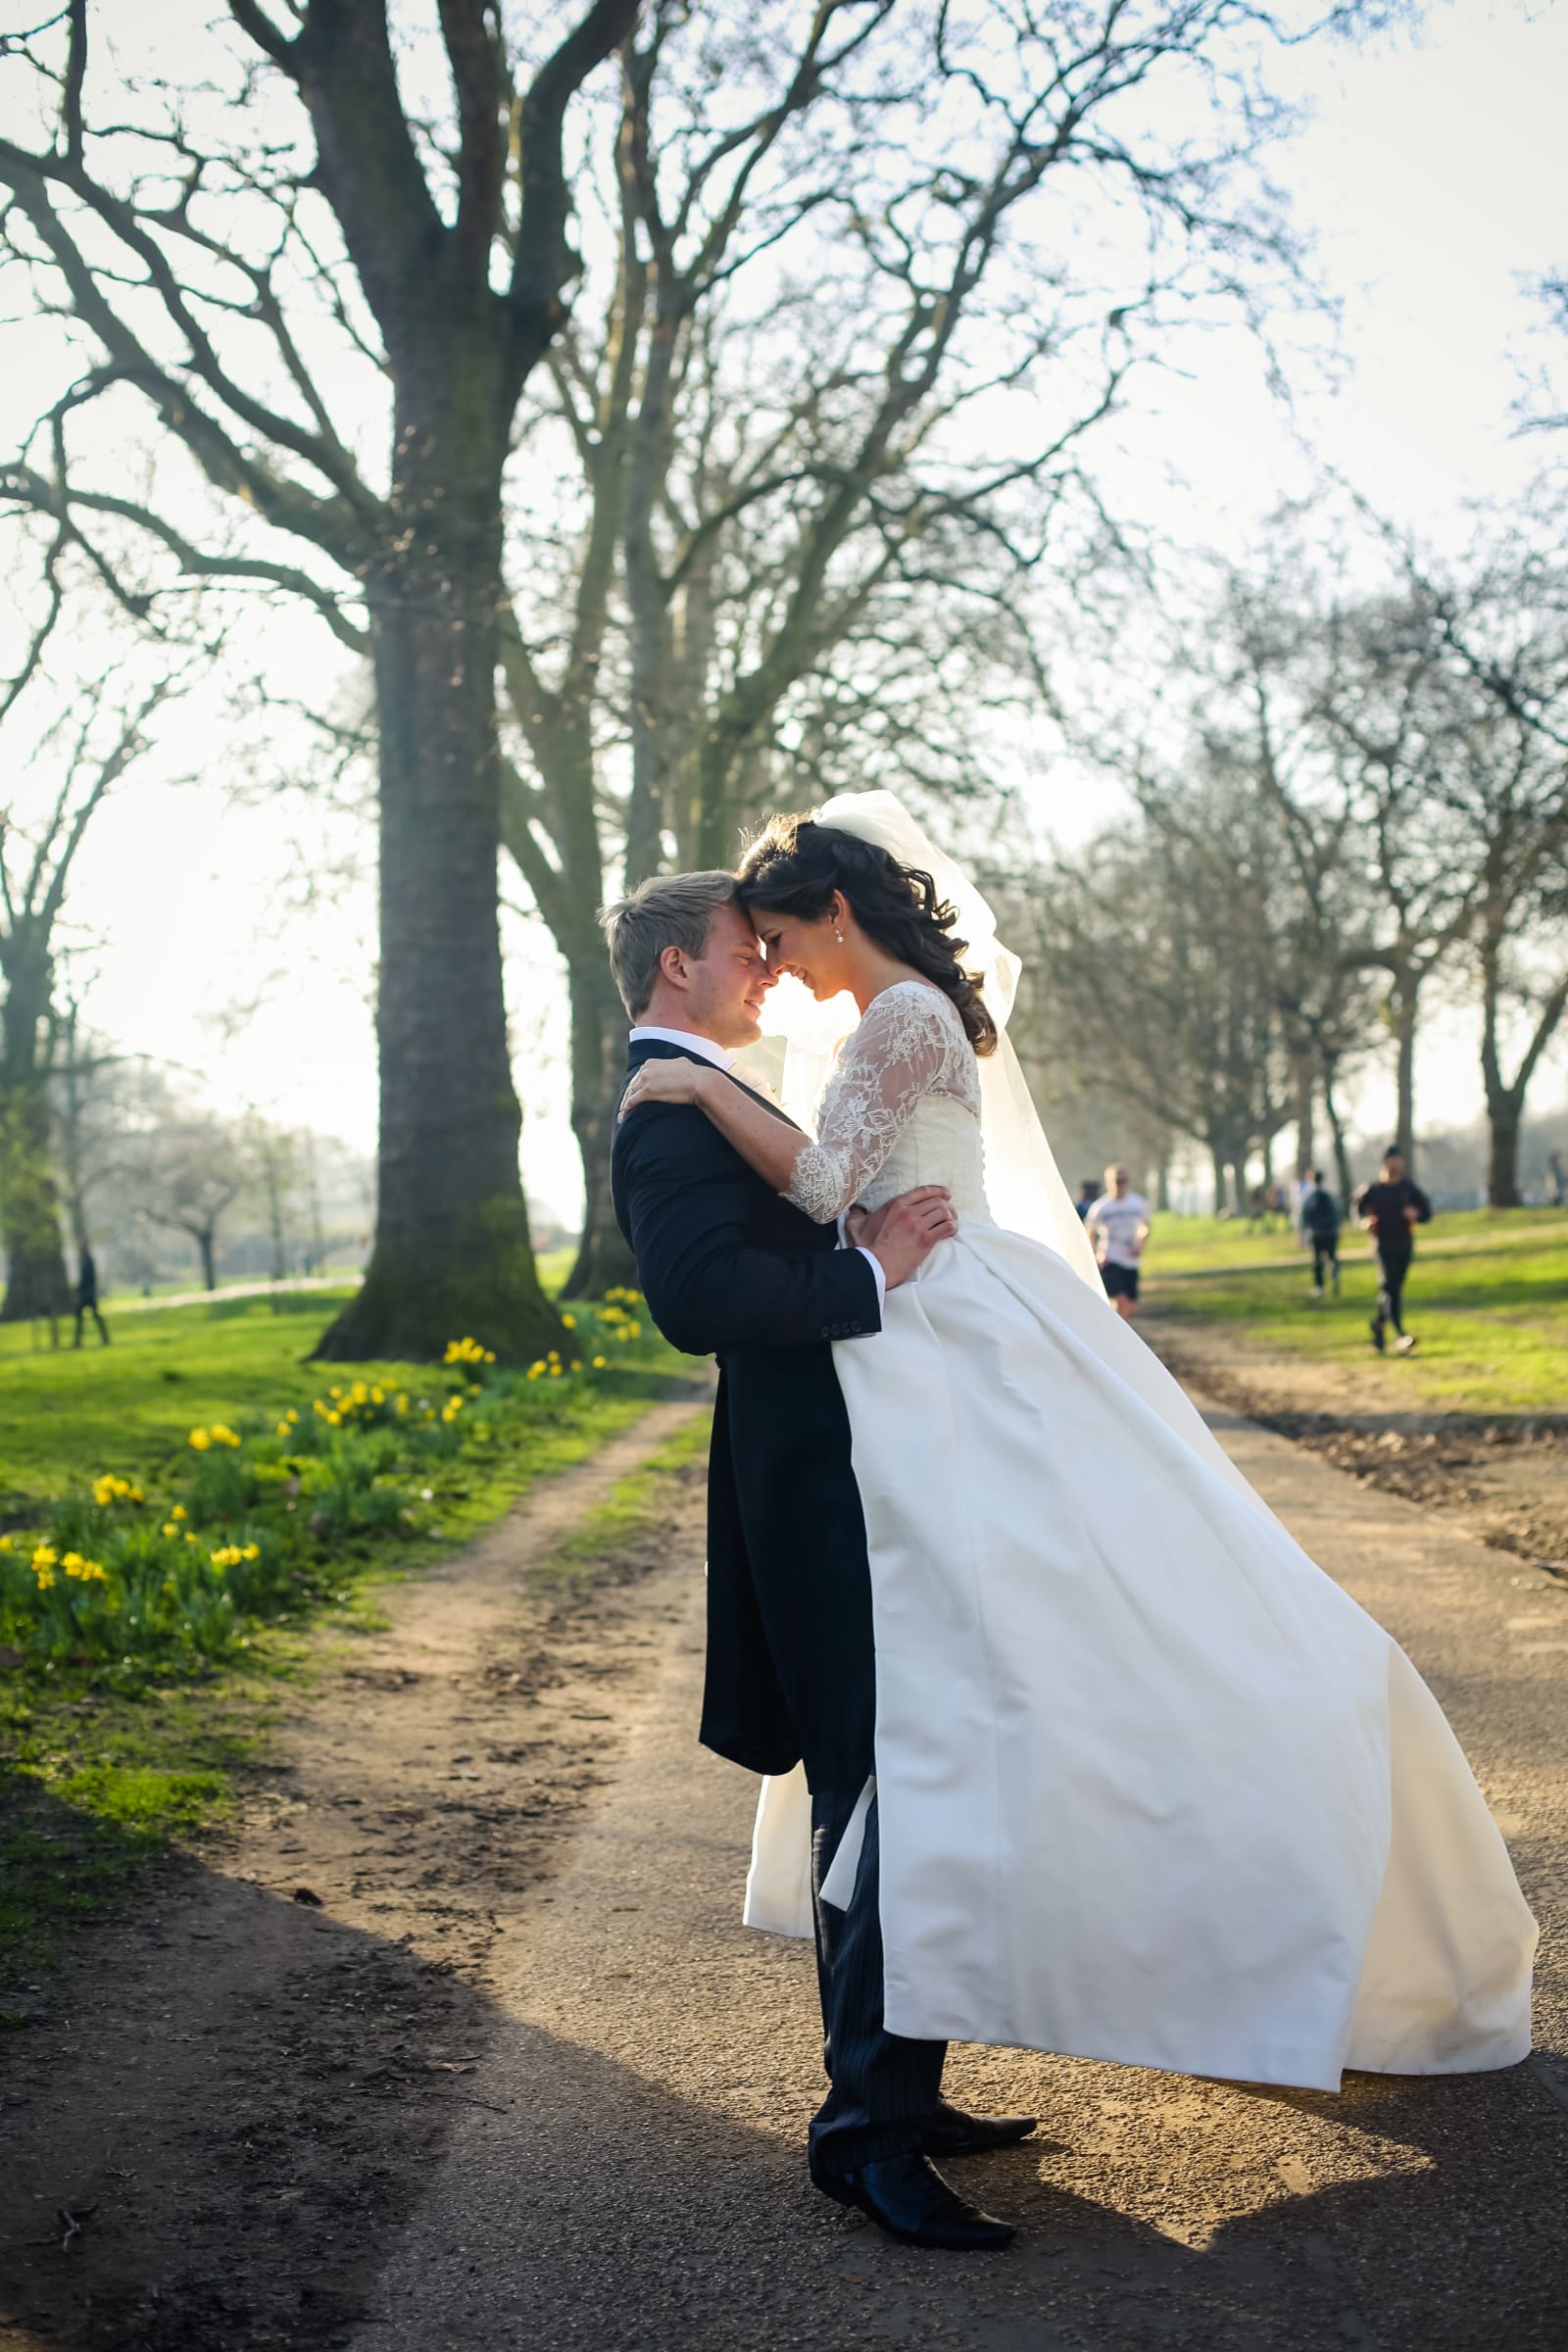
(768, 1144)
(884, 1070)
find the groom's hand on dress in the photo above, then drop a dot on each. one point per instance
(908, 1230)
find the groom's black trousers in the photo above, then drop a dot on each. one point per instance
(884, 2086)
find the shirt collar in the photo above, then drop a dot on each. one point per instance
(688, 1041)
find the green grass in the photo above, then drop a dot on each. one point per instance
(1488, 1299)
(68, 1414)
(101, 1763)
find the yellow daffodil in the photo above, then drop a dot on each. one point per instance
(377, 1397)
(600, 1362)
(467, 1352)
(359, 1392)
(170, 1527)
(569, 1322)
(402, 1403)
(85, 1572)
(44, 1556)
(222, 1434)
(200, 1438)
(45, 1575)
(179, 1511)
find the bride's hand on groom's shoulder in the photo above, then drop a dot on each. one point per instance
(677, 1081)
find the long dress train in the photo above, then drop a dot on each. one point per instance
(1152, 1786)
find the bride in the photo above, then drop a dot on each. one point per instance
(1152, 1786)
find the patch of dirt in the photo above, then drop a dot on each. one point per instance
(222, 2105)
(1506, 1477)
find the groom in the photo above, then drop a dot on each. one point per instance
(728, 1266)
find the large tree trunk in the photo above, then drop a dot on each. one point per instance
(1403, 1004)
(598, 1073)
(452, 1255)
(1342, 1155)
(29, 1211)
(1504, 1118)
(1506, 1102)
(1302, 1078)
(206, 1243)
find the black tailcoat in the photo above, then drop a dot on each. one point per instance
(730, 1267)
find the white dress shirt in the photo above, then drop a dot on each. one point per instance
(721, 1058)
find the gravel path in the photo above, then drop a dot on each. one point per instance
(634, 2180)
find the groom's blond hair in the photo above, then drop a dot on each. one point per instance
(671, 910)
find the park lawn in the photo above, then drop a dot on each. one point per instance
(1488, 1299)
(101, 1767)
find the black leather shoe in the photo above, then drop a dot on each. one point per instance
(952, 2132)
(908, 2197)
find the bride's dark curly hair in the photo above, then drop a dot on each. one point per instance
(794, 866)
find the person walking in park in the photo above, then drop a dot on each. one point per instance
(1117, 1225)
(1390, 1211)
(1320, 1226)
(87, 1294)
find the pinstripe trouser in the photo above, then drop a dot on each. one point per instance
(883, 2087)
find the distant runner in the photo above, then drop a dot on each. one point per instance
(1391, 1210)
(1118, 1227)
(1320, 1225)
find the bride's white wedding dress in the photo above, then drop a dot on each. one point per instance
(1152, 1786)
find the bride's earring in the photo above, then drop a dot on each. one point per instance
(838, 935)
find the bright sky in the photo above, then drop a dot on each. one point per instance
(1436, 178)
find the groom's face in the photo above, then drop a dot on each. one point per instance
(728, 987)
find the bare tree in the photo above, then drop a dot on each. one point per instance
(1502, 628)
(275, 1168)
(275, 262)
(827, 289)
(100, 733)
(1153, 981)
(193, 1171)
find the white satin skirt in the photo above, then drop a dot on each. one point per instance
(1152, 1786)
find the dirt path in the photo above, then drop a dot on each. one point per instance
(636, 2184)
(253, 2091)
(248, 2082)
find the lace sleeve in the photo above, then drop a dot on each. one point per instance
(904, 1050)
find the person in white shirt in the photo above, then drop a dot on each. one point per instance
(1118, 1228)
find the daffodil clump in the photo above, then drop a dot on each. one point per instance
(593, 1332)
(118, 1580)
(467, 1351)
(249, 1523)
